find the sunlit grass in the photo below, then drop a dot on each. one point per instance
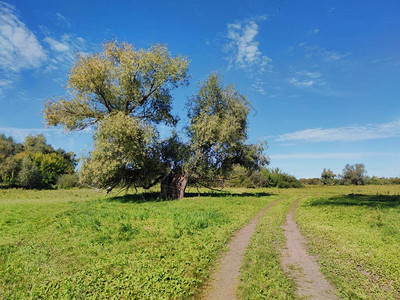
(356, 237)
(80, 244)
(262, 275)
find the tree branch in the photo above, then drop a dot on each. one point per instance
(208, 187)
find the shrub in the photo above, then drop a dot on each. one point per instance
(29, 177)
(68, 181)
(262, 178)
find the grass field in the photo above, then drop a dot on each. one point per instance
(355, 234)
(353, 231)
(80, 244)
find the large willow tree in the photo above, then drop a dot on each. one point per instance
(124, 94)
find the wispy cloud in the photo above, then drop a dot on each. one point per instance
(307, 79)
(349, 133)
(322, 53)
(301, 83)
(313, 31)
(63, 51)
(61, 19)
(56, 45)
(19, 47)
(310, 74)
(334, 155)
(244, 51)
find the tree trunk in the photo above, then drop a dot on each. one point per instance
(173, 186)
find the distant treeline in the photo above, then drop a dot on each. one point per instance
(374, 180)
(34, 164)
(351, 175)
(266, 177)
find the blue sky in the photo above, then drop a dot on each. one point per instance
(323, 77)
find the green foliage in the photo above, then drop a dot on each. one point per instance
(218, 132)
(8, 147)
(30, 176)
(67, 181)
(125, 152)
(37, 144)
(126, 93)
(33, 164)
(51, 166)
(311, 181)
(327, 177)
(119, 79)
(10, 169)
(240, 177)
(353, 174)
(382, 180)
(374, 180)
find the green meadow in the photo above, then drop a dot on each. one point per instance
(81, 244)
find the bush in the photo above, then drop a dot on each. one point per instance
(68, 181)
(262, 178)
(29, 177)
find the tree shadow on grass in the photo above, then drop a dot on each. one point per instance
(379, 201)
(156, 196)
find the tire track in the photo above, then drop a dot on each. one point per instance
(225, 279)
(311, 283)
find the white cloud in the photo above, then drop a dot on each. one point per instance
(21, 50)
(63, 51)
(310, 74)
(301, 83)
(245, 53)
(324, 54)
(62, 20)
(333, 155)
(307, 79)
(244, 47)
(313, 31)
(349, 133)
(19, 47)
(56, 45)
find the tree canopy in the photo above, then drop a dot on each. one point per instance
(125, 93)
(33, 163)
(354, 174)
(327, 177)
(119, 79)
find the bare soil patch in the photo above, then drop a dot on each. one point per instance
(311, 283)
(225, 279)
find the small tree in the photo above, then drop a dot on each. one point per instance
(354, 174)
(327, 177)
